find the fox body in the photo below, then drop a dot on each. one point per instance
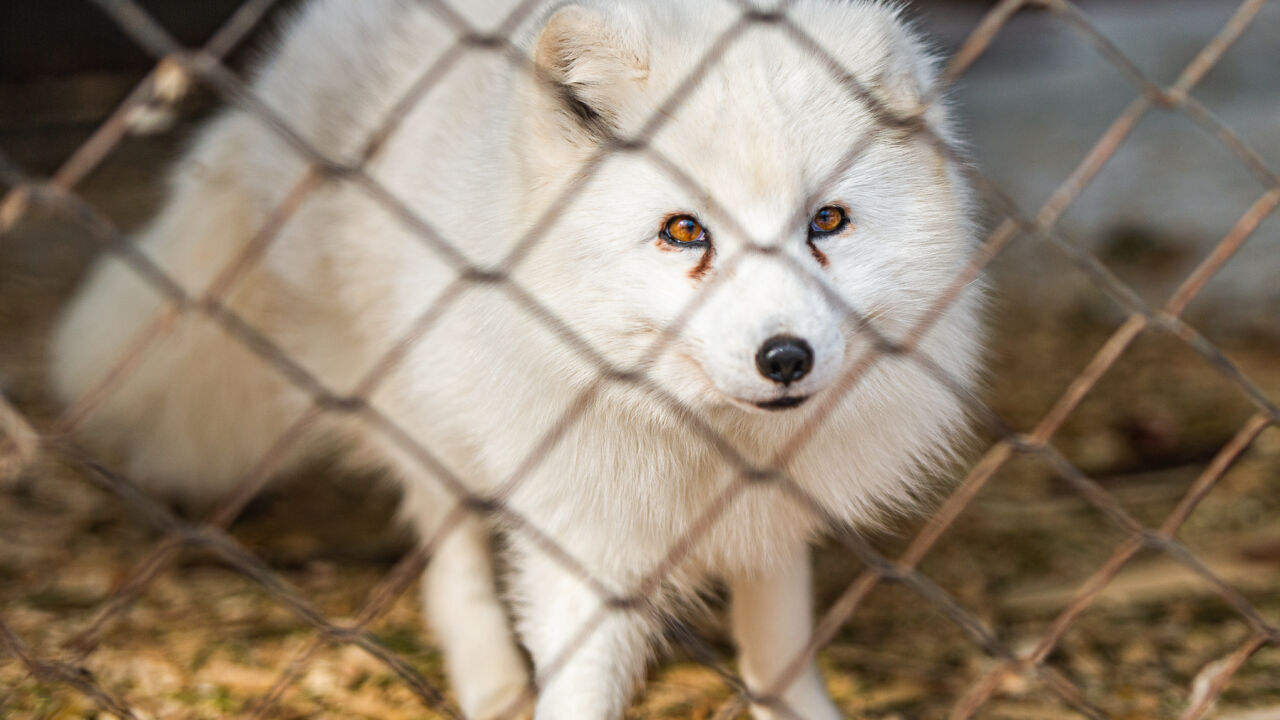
(716, 261)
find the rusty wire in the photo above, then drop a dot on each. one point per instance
(205, 65)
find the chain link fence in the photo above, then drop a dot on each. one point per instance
(22, 440)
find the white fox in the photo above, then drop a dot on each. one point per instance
(738, 221)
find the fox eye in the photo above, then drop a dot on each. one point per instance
(828, 221)
(684, 231)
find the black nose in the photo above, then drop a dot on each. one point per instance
(784, 359)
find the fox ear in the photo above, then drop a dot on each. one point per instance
(593, 63)
(908, 77)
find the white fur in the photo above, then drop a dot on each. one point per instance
(486, 153)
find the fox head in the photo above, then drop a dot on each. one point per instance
(740, 206)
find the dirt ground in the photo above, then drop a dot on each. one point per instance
(204, 641)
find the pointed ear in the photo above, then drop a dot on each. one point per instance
(592, 64)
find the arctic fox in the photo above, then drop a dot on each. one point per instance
(603, 317)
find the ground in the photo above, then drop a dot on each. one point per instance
(204, 641)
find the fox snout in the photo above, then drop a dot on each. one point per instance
(784, 359)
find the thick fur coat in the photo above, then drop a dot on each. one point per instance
(742, 225)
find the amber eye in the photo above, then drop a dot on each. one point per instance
(684, 230)
(828, 220)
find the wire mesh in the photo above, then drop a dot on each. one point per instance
(176, 64)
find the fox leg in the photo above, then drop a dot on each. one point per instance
(488, 673)
(590, 658)
(772, 620)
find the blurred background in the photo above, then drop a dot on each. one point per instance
(203, 641)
